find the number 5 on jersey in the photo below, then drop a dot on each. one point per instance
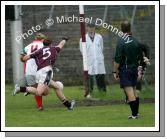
(46, 52)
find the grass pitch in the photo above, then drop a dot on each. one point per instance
(21, 111)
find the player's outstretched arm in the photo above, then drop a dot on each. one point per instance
(63, 42)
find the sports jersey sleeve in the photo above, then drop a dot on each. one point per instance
(145, 49)
(24, 51)
(118, 53)
(57, 49)
(144, 52)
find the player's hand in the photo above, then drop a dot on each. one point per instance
(25, 58)
(139, 77)
(22, 54)
(21, 57)
(140, 70)
(146, 60)
(65, 38)
(116, 77)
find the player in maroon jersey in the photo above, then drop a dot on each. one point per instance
(45, 59)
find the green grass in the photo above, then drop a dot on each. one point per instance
(97, 116)
(21, 111)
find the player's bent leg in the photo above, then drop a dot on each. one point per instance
(31, 90)
(60, 94)
(42, 89)
(58, 86)
(27, 93)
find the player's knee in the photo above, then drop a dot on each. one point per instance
(59, 85)
(131, 98)
(45, 93)
(38, 93)
(42, 91)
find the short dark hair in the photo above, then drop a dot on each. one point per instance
(126, 26)
(91, 25)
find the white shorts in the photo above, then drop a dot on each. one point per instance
(44, 75)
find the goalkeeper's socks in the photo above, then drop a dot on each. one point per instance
(137, 101)
(38, 101)
(133, 106)
(66, 103)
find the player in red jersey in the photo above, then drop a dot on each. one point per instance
(30, 67)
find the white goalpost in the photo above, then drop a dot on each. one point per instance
(17, 44)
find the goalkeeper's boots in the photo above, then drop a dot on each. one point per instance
(16, 90)
(72, 105)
